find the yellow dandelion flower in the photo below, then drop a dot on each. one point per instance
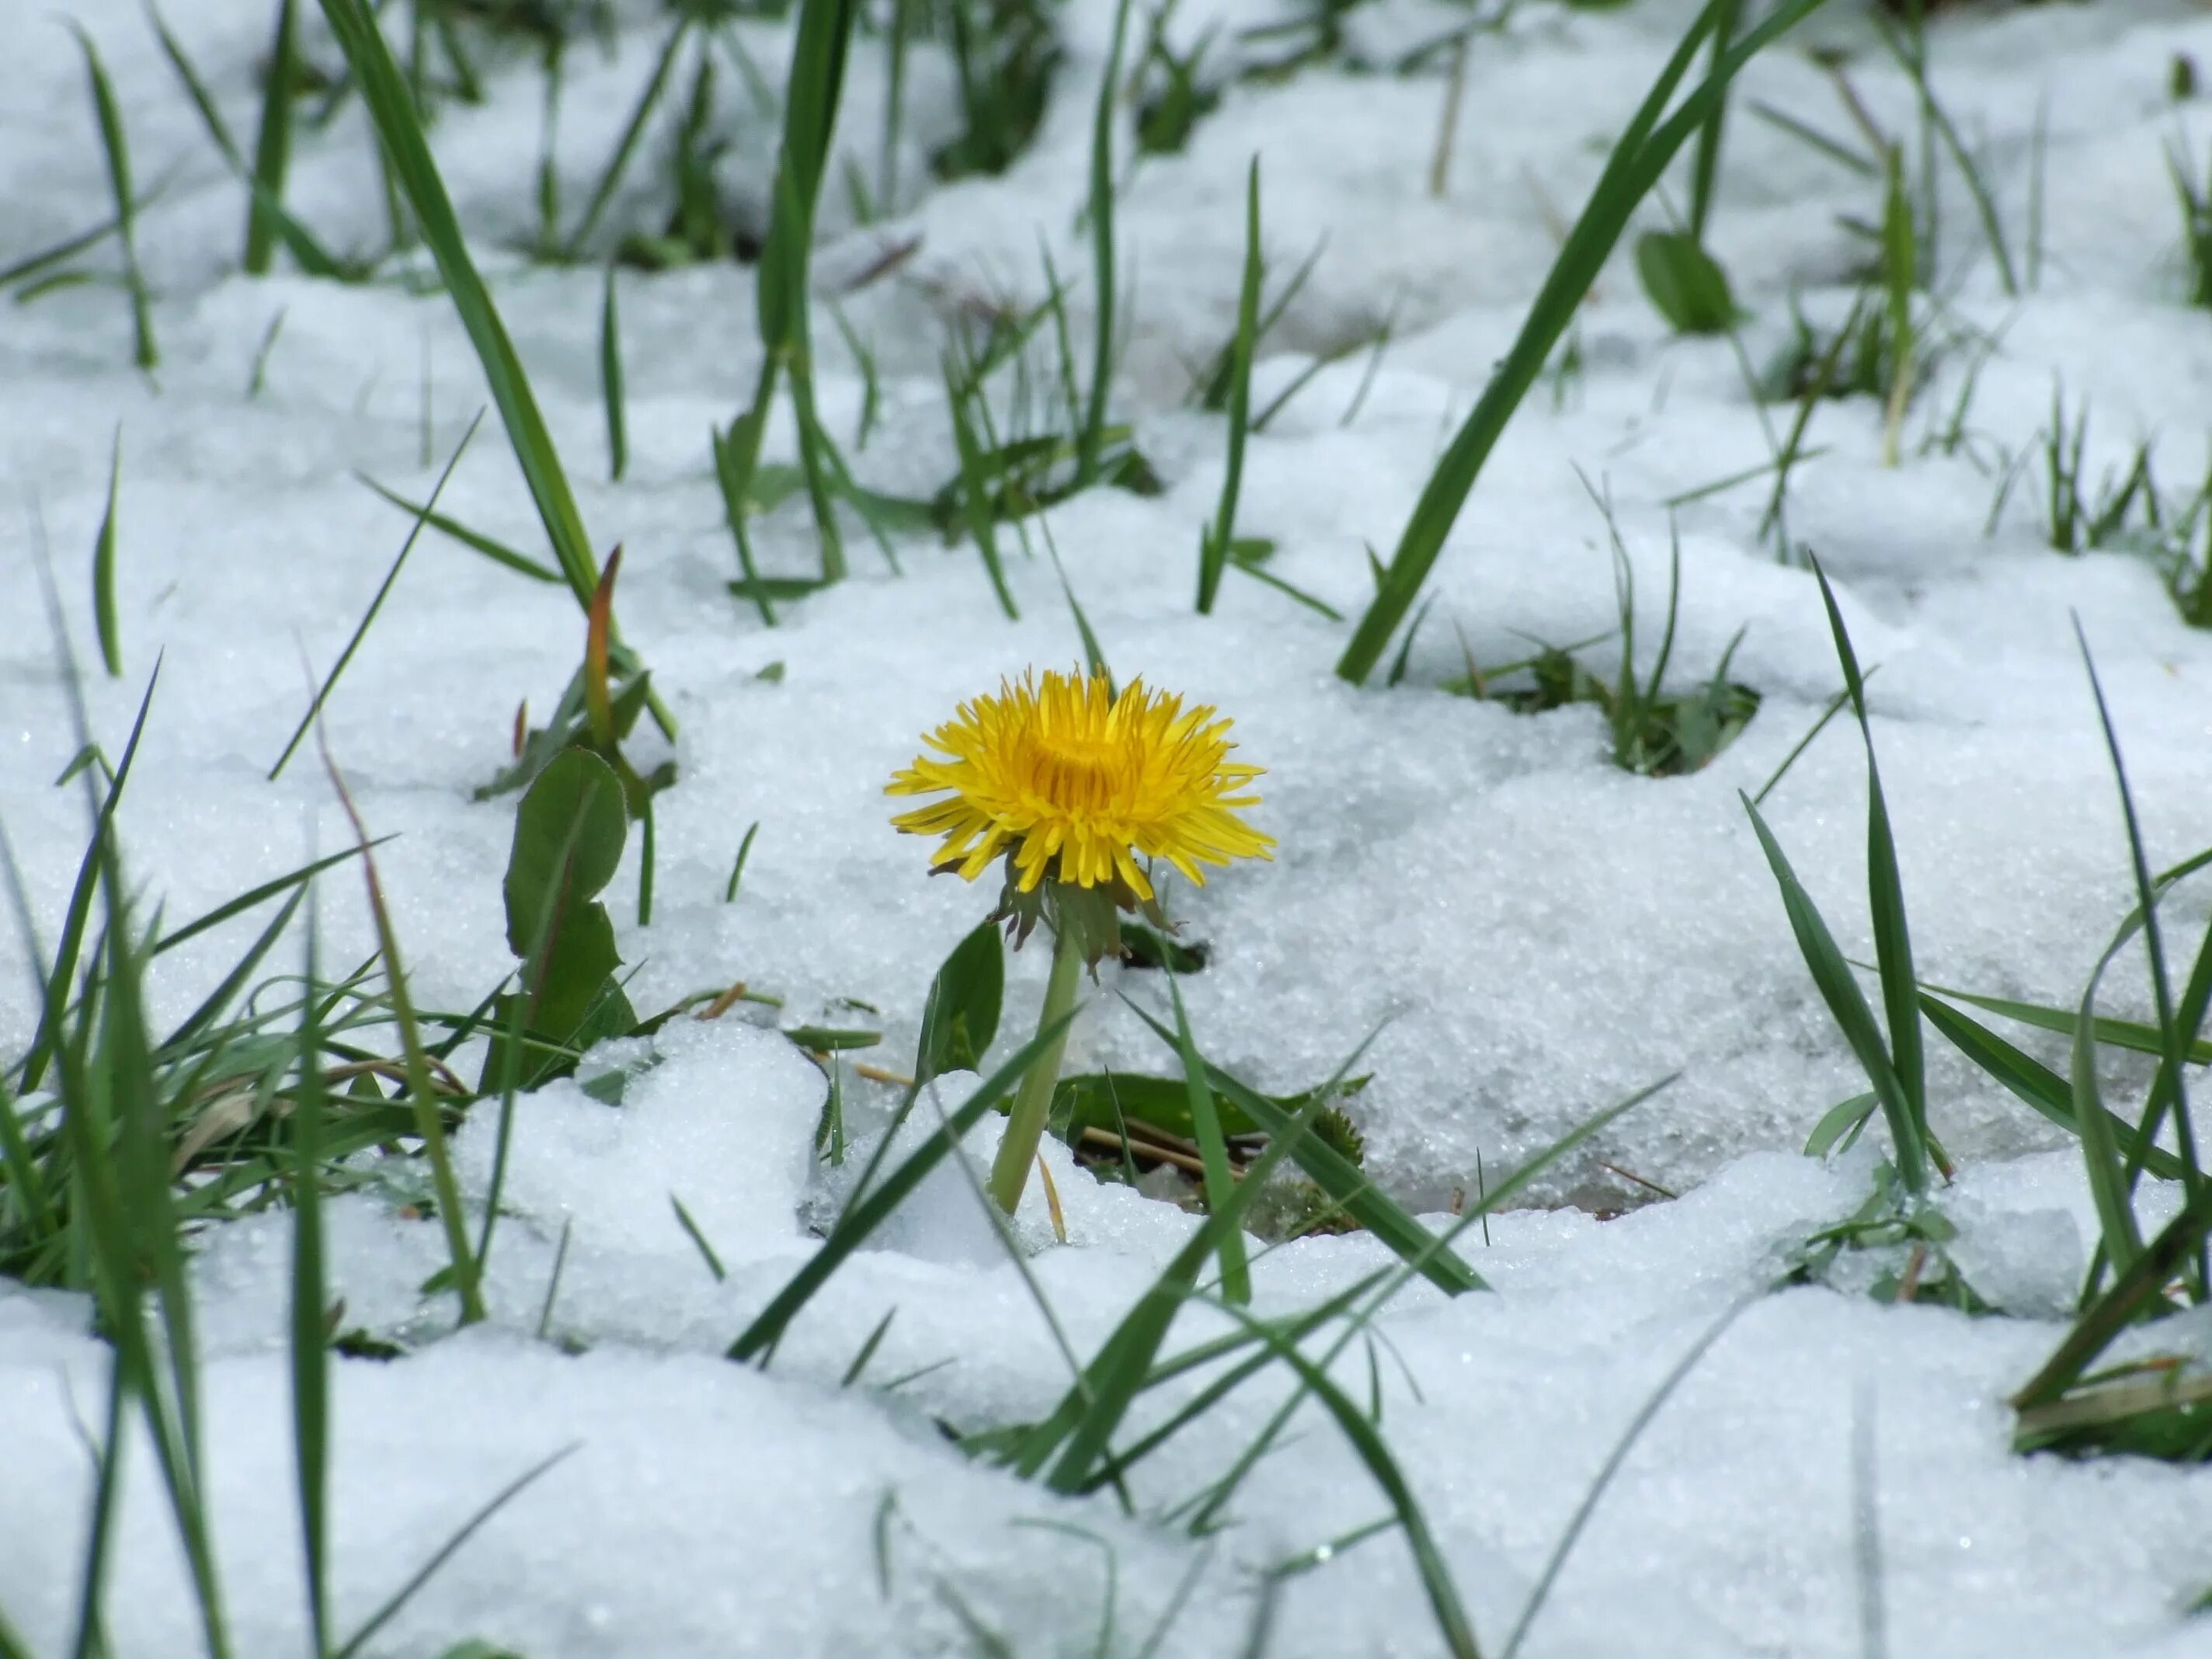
(1078, 784)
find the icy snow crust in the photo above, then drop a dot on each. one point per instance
(1542, 933)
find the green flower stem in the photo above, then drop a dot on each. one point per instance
(1010, 1170)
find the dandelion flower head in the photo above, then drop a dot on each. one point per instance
(1079, 784)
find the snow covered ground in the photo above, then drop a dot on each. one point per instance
(1542, 933)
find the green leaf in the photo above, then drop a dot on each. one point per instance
(960, 1016)
(1684, 282)
(568, 835)
(1844, 1119)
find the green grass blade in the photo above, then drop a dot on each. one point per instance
(1638, 161)
(1090, 442)
(1213, 1148)
(62, 975)
(1081, 1429)
(2134, 1289)
(611, 382)
(116, 142)
(862, 1219)
(103, 568)
(698, 1239)
(633, 130)
(497, 552)
(91, 1638)
(500, 1500)
(733, 471)
(1213, 546)
(398, 126)
(1842, 1122)
(368, 617)
(1892, 941)
(310, 1336)
(247, 901)
(422, 1093)
(2113, 1207)
(1636, 1425)
(2033, 1082)
(738, 869)
(1340, 1177)
(975, 492)
(272, 149)
(1831, 976)
(1452, 1622)
(266, 205)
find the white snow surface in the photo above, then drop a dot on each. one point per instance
(1537, 933)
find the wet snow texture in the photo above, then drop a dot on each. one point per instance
(1542, 933)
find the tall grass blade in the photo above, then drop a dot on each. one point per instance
(272, 150)
(1444, 1604)
(1213, 1147)
(398, 126)
(1832, 975)
(311, 1389)
(1893, 942)
(1340, 1177)
(633, 130)
(47, 1040)
(1639, 159)
(1214, 545)
(116, 142)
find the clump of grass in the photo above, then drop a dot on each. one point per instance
(1898, 1214)
(2077, 519)
(1655, 734)
(816, 84)
(2153, 1404)
(1173, 93)
(2193, 195)
(1007, 54)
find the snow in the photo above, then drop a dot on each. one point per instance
(1537, 933)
